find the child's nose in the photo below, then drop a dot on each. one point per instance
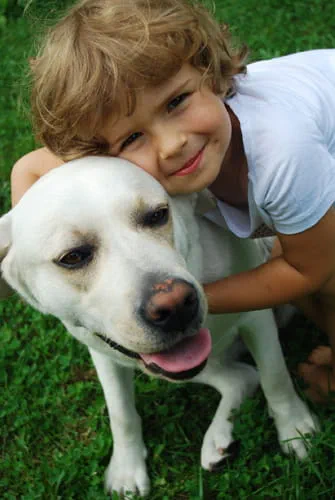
(171, 143)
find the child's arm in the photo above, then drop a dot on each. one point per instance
(307, 265)
(29, 169)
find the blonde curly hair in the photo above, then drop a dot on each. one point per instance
(96, 58)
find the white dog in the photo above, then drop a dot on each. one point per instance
(100, 245)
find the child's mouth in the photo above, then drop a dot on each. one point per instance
(191, 165)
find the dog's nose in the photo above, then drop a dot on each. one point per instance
(171, 306)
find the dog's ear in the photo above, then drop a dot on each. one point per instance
(5, 242)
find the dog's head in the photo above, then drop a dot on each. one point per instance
(100, 245)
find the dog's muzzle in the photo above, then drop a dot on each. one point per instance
(171, 307)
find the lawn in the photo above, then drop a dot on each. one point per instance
(55, 438)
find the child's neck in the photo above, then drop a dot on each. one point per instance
(231, 185)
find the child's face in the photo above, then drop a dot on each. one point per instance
(178, 133)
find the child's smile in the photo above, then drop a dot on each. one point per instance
(191, 165)
(179, 133)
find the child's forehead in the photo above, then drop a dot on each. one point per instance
(151, 93)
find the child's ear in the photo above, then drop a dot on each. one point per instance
(5, 243)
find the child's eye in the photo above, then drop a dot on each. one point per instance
(174, 103)
(130, 140)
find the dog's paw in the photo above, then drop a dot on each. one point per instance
(126, 474)
(218, 446)
(295, 429)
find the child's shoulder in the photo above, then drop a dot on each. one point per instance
(38, 162)
(29, 169)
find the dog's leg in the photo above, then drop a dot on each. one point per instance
(127, 470)
(292, 417)
(234, 381)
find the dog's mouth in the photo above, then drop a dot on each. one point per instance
(182, 361)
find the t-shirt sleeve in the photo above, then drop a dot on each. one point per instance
(293, 173)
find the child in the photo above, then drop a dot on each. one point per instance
(158, 82)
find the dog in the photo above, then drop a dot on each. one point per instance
(99, 244)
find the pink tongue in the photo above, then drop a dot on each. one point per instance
(185, 355)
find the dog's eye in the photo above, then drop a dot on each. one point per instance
(157, 217)
(77, 257)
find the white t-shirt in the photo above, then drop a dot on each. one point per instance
(286, 109)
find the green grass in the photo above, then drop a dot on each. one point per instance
(55, 438)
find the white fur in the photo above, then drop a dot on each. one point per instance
(99, 201)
